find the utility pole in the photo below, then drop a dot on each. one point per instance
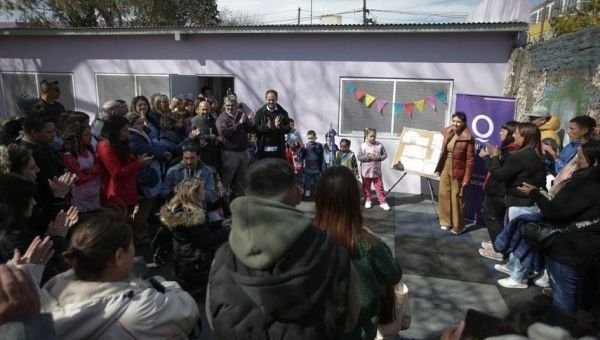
(298, 16)
(311, 12)
(364, 12)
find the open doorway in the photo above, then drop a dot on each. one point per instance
(189, 86)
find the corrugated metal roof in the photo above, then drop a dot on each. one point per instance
(277, 29)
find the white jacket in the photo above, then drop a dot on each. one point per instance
(130, 309)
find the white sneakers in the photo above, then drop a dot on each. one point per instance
(510, 283)
(383, 206)
(543, 281)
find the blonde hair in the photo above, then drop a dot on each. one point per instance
(184, 191)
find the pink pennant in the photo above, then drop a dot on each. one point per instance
(431, 102)
(380, 103)
(408, 108)
(360, 94)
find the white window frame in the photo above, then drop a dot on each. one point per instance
(37, 83)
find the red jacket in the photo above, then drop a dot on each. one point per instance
(463, 156)
(119, 183)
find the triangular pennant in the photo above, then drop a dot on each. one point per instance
(441, 96)
(408, 108)
(431, 102)
(420, 105)
(369, 99)
(380, 103)
(350, 88)
(360, 94)
(397, 109)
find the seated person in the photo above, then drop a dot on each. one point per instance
(99, 299)
(194, 238)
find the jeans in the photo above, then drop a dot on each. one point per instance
(566, 284)
(514, 212)
(517, 272)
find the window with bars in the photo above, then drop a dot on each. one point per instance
(127, 86)
(429, 99)
(17, 86)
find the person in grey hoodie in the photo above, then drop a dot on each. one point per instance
(279, 276)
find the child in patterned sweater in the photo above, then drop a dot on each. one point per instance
(345, 157)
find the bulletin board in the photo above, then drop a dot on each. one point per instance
(418, 152)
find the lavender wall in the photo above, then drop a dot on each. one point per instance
(304, 68)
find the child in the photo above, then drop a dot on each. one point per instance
(329, 149)
(370, 155)
(293, 135)
(295, 154)
(251, 148)
(346, 158)
(79, 159)
(313, 163)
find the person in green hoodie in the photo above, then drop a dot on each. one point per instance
(279, 276)
(338, 213)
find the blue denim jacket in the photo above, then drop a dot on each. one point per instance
(178, 173)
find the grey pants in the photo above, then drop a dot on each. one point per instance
(235, 164)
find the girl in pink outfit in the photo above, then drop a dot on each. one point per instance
(370, 155)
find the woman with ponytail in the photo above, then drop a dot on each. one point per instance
(99, 298)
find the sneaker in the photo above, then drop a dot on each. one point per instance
(491, 254)
(385, 206)
(487, 245)
(307, 193)
(502, 268)
(445, 227)
(454, 232)
(510, 283)
(543, 281)
(368, 204)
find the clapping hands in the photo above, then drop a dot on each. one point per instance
(39, 252)
(62, 185)
(63, 221)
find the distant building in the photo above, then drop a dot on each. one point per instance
(539, 20)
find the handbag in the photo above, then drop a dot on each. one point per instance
(540, 234)
(394, 311)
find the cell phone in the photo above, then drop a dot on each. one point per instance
(479, 325)
(157, 285)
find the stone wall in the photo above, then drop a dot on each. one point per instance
(562, 73)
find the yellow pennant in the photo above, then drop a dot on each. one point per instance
(420, 104)
(369, 100)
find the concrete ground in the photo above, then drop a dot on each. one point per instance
(445, 274)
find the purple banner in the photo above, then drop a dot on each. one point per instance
(485, 116)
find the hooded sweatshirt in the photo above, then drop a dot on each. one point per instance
(549, 128)
(129, 309)
(279, 277)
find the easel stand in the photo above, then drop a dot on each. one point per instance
(429, 185)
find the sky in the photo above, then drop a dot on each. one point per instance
(383, 11)
(277, 12)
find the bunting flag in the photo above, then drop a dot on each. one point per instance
(360, 94)
(350, 88)
(398, 109)
(380, 103)
(408, 108)
(369, 99)
(420, 105)
(441, 96)
(431, 102)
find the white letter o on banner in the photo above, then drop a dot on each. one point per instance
(490, 130)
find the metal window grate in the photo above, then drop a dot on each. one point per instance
(149, 85)
(111, 87)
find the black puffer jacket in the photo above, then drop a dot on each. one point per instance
(195, 241)
(279, 277)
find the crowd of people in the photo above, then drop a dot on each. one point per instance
(221, 183)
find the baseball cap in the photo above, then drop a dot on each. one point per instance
(538, 111)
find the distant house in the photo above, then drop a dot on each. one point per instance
(316, 69)
(539, 20)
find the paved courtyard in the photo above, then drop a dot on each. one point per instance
(445, 274)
